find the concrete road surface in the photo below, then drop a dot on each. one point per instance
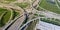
(17, 24)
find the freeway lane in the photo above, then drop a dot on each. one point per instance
(17, 24)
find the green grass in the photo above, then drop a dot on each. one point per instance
(15, 14)
(53, 8)
(22, 5)
(39, 15)
(2, 10)
(52, 21)
(36, 14)
(58, 3)
(6, 17)
(1, 13)
(10, 0)
(32, 25)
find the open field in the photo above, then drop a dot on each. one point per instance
(1, 11)
(6, 16)
(50, 7)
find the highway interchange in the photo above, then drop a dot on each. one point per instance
(17, 23)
